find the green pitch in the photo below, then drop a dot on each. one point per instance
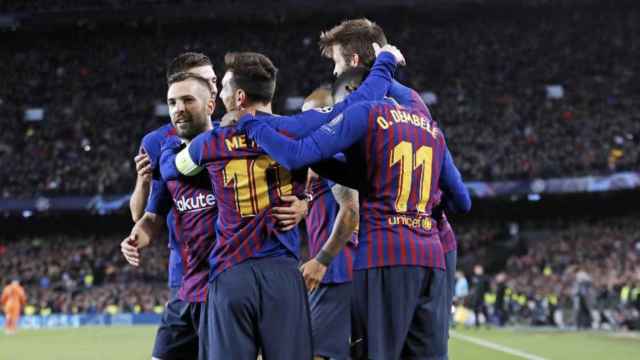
(134, 343)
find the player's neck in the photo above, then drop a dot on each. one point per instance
(265, 108)
(209, 127)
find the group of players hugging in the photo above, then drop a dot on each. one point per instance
(364, 165)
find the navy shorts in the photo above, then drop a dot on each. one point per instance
(330, 307)
(399, 312)
(258, 305)
(177, 336)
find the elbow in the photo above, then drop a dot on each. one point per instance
(135, 216)
(464, 206)
(459, 205)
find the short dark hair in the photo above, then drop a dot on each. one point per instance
(348, 82)
(186, 61)
(182, 76)
(254, 73)
(355, 37)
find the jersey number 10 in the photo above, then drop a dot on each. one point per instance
(409, 162)
(249, 179)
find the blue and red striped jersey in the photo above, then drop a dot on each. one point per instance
(152, 145)
(247, 184)
(193, 207)
(408, 97)
(447, 236)
(397, 155)
(176, 270)
(320, 221)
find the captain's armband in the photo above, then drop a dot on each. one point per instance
(185, 164)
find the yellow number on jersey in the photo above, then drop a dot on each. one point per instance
(403, 153)
(249, 179)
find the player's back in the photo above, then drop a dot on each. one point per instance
(247, 184)
(408, 97)
(401, 156)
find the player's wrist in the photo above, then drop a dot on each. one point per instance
(324, 257)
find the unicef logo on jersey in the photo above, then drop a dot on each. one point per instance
(195, 203)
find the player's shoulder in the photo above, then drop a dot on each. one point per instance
(217, 133)
(159, 135)
(368, 105)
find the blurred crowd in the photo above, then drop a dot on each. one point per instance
(40, 6)
(580, 272)
(62, 274)
(577, 273)
(99, 87)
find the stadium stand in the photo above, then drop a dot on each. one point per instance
(84, 274)
(489, 74)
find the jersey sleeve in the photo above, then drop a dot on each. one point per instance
(456, 194)
(151, 146)
(192, 159)
(377, 83)
(336, 171)
(168, 168)
(331, 138)
(189, 161)
(375, 87)
(159, 202)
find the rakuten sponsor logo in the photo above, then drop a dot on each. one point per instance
(198, 202)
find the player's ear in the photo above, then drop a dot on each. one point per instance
(211, 106)
(240, 98)
(355, 60)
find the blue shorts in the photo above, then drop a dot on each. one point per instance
(258, 305)
(399, 312)
(330, 307)
(177, 336)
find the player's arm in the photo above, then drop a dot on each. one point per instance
(188, 161)
(337, 170)
(145, 161)
(151, 224)
(345, 224)
(374, 87)
(138, 199)
(456, 194)
(331, 138)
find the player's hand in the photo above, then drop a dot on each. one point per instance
(288, 217)
(312, 272)
(129, 248)
(392, 49)
(143, 166)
